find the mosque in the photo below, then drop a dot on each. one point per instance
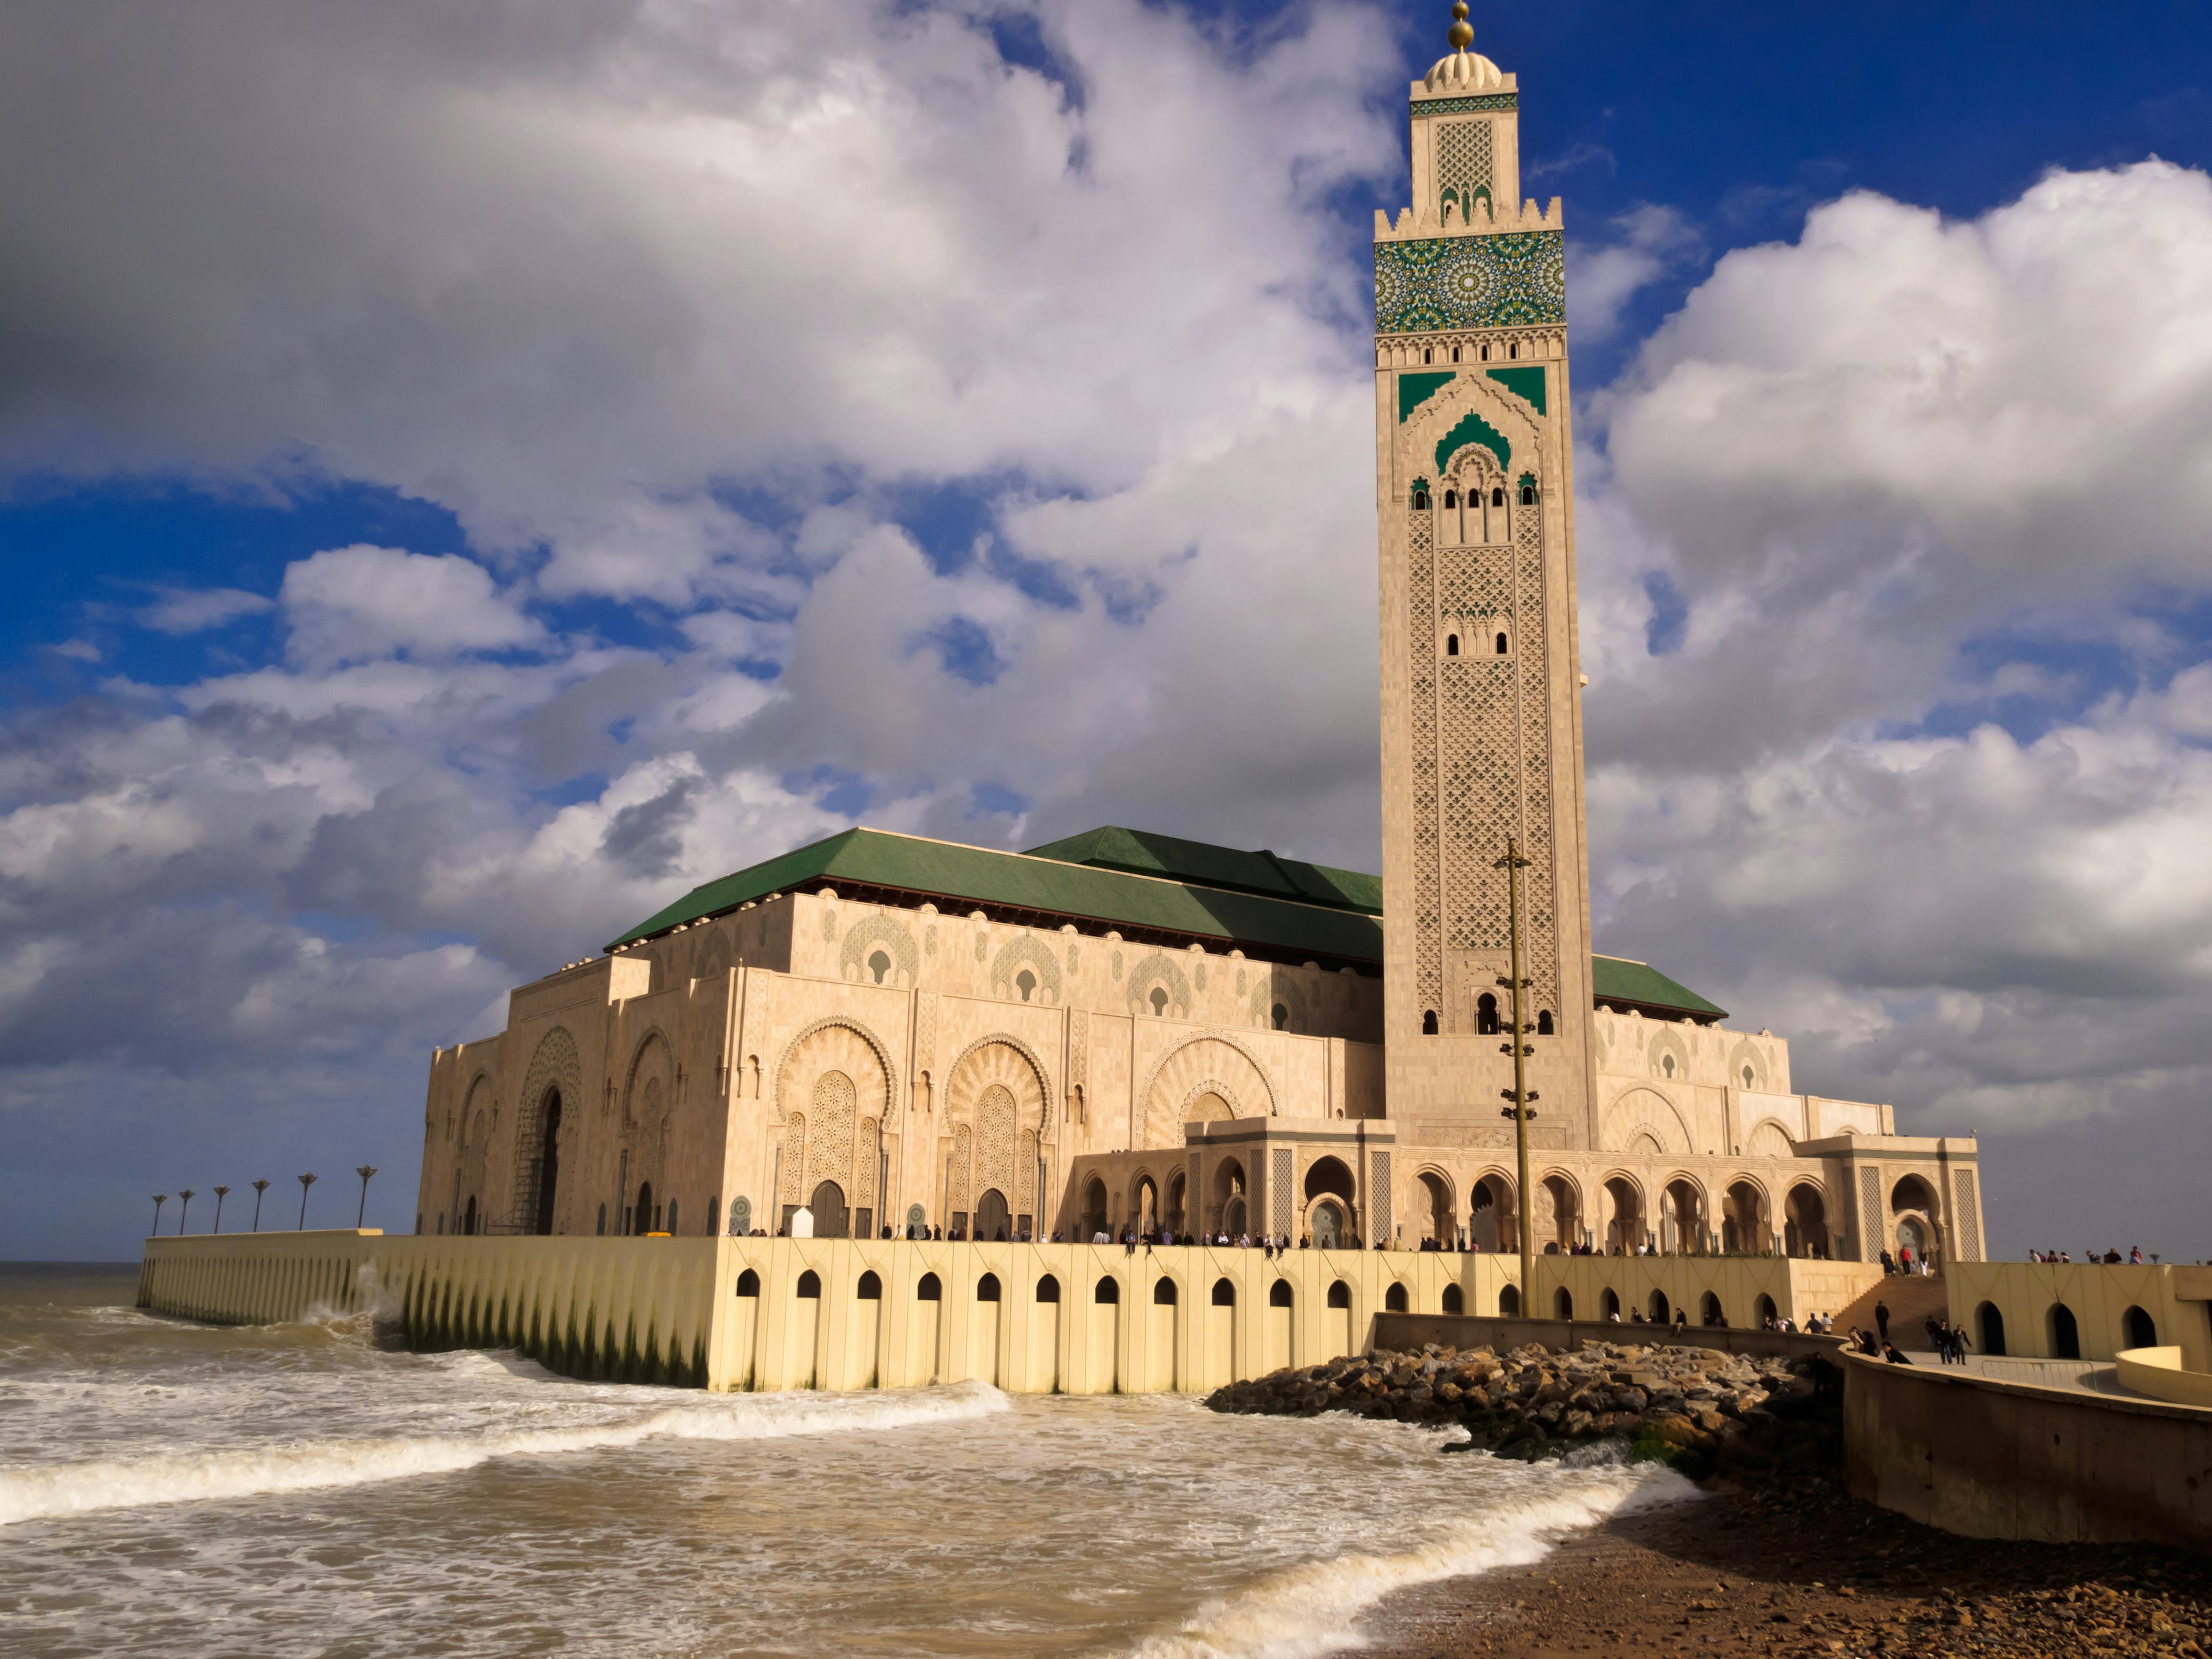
(1127, 1029)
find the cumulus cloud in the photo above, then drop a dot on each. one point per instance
(191, 610)
(1919, 770)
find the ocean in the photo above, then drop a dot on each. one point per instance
(173, 1489)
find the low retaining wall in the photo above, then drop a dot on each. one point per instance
(1406, 1333)
(2007, 1459)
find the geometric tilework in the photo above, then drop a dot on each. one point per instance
(1379, 1200)
(1873, 1236)
(1421, 647)
(1278, 1201)
(1485, 103)
(1504, 280)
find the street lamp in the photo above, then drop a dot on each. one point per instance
(305, 1181)
(364, 1171)
(259, 1187)
(160, 1199)
(183, 1210)
(221, 1193)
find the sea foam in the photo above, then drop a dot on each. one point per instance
(42, 1491)
(1314, 1609)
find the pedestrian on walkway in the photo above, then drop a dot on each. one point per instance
(1881, 1319)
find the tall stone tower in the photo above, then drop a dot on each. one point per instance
(1481, 706)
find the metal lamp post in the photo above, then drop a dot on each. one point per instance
(183, 1209)
(1520, 1094)
(160, 1199)
(259, 1187)
(364, 1171)
(305, 1181)
(221, 1193)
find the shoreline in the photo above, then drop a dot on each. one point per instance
(1806, 1570)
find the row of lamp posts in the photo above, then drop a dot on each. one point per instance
(186, 1194)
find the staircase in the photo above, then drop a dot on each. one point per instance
(1910, 1299)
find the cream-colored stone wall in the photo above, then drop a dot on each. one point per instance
(2026, 1296)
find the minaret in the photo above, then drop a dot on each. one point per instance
(1482, 709)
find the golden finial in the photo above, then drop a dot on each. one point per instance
(1461, 34)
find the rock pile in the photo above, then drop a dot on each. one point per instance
(1697, 1408)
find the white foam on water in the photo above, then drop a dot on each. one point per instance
(41, 1491)
(1314, 1609)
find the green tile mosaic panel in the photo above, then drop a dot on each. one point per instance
(1471, 281)
(1484, 103)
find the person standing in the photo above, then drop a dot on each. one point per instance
(1881, 1319)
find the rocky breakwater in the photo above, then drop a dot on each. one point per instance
(1701, 1411)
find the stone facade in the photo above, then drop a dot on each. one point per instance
(1123, 1031)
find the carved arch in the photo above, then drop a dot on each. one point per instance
(1040, 1072)
(896, 941)
(554, 1065)
(1213, 1060)
(1164, 970)
(790, 1049)
(1024, 951)
(1645, 1110)
(1769, 1139)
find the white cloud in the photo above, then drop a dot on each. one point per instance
(192, 610)
(352, 602)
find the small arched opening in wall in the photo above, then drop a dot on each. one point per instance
(1509, 1303)
(1393, 1299)
(2063, 1333)
(1563, 1303)
(1454, 1301)
(1708, 1310)
(1988, 1329)
(1656, 1309)
(1437, 1210)
(1763, 1309)
(1805, 1224)
(1490, 1224)
(1608, 1303)
(2138, 1330)
(1624, 1225)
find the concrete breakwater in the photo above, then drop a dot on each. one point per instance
(1696, 1408)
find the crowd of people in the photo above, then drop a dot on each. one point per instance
(2109, 1258)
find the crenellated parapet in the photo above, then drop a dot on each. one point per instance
(1413, 224)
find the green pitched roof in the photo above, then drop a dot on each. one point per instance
(902, 864)
(1617, 979)
(1140, 852)
(1134, 880)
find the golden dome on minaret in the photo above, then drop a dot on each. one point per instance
(1461, 70)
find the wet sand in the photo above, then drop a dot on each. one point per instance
(1814, 1572)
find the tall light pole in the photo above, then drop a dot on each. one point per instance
(1520, 1094)
(183, 1209)
(259, 1187)
(364, 1171)
(305, 1181)
(160, 1199)
(221, 1193)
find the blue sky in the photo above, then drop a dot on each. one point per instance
(462, 487)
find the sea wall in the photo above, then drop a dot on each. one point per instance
(834, 1313)
(1990, 1459)
(1743, 1288)
(2033, 1300)
(1408, 1332)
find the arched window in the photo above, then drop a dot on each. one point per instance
(1498, 496)
(2142, 1330)
(871, 1288)
(929, 1290)
(1992, 1328)
(1279, 1016)
(1025, 982)
(1159, 1001)
(1048, 1289)
(1544, 1021)
(1339, 1295)
(1454, 1302)
(1108, 1292)
(1451, 645)
(1486, 1015)
(1486, 354)
(2065, 1334)
(1708, 1310)
(809, 1286)
(1764, 1309)
(1513, 351)
(1451, 498)
(1563, 1303)
(1163, 1293)
(1224, 1293)
(749, 1283)
(1501, 645)
(1393, 1299)
(1455, 354)
(1608, 1302)
(1420, 500)
(1427, 355)
(1279, 1295)
(1509, 1303)
(879, 964)
(1658, 1311)
(1528, 494)
(1428, 1028)
(986, 1288)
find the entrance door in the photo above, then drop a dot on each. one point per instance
(549, 1163)
(830, 1220)
(1328, 1227)
(991, 1219)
